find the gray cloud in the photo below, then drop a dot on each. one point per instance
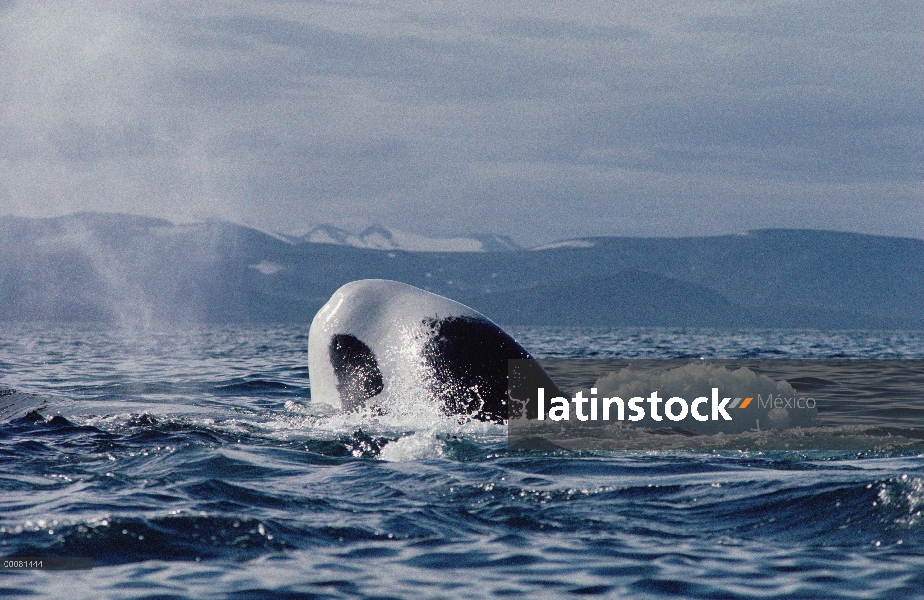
(589, 118)
(549, 30)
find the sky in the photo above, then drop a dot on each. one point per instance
(537, 120)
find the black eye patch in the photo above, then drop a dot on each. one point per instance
(356, 368)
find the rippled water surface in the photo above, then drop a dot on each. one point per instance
(193, 463)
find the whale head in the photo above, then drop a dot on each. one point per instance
(377, 340)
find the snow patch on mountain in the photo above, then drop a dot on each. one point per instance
(385, 238)
(267, 267)
(566, 244)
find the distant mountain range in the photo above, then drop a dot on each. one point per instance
(137, 271)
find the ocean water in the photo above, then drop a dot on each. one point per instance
(193, 463)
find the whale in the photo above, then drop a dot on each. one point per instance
(376, 342)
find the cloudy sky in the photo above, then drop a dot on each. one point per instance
(541, 120)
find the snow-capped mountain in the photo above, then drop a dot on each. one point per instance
(136, 271)
(385, 238)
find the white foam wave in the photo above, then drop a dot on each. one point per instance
(413, 447)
